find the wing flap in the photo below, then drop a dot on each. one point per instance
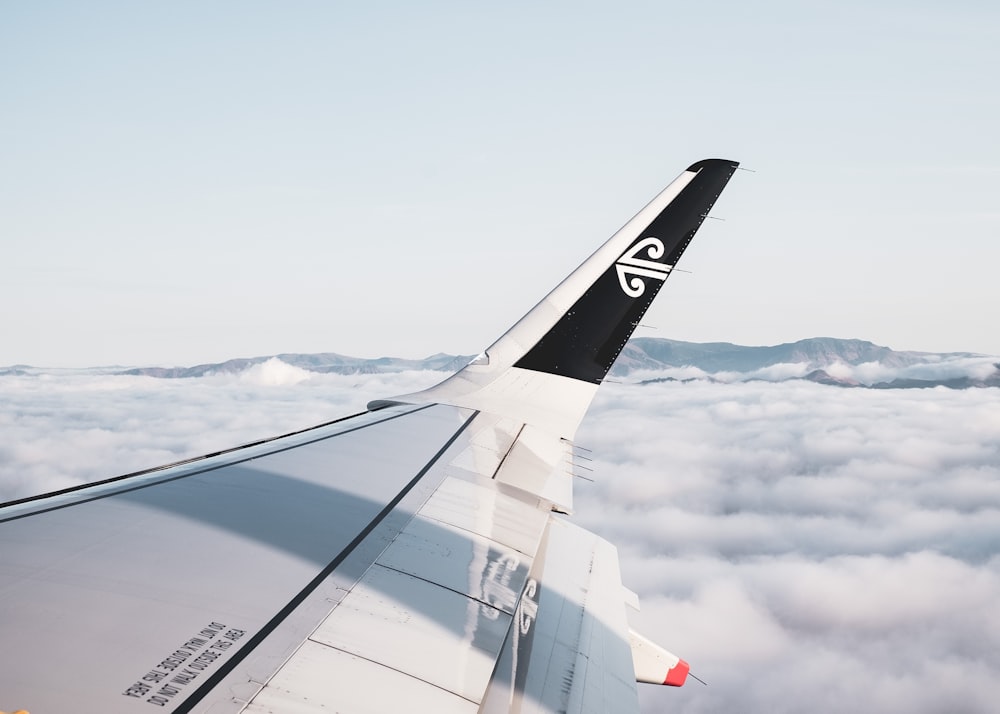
(321, 674)
(567, 650)
(420, 628)
(540, 464)
(437, 602)
(487, 508)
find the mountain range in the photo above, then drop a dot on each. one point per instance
(649, 354)
(324, 362)
(818, 352)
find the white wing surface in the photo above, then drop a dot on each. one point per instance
(413, 557)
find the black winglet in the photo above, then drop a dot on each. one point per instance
(585, 342)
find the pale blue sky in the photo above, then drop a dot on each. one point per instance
(183, 183)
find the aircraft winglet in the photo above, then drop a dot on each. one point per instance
(545, 369)
(586, 340)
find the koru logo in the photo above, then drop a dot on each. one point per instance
(638, 268)
(527, 608)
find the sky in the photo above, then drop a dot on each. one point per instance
(188, 182)
(803, 547)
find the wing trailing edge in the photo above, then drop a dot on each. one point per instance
(545, 369)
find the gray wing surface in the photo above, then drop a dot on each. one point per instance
(415, 556)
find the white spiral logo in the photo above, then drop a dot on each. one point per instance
(630, 264)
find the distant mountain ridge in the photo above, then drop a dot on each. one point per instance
(648, 354)
(324, 363)
(817, 352)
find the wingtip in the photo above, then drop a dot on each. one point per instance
(699, 165)
(677, 675)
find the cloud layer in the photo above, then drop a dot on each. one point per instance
(804, 547)
(807, 547)
(62, 428)
(936, 367)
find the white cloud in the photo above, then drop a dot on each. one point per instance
(807, 547)
(936, 367)
(783, 370)
(275, 373)
(67, 427)
(680, 373)
(788, 634)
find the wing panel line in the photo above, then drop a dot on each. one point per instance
(429, 581)
(188, 704)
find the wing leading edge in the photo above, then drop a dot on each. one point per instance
(411, 556)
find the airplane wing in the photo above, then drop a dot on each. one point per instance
(416, 556)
